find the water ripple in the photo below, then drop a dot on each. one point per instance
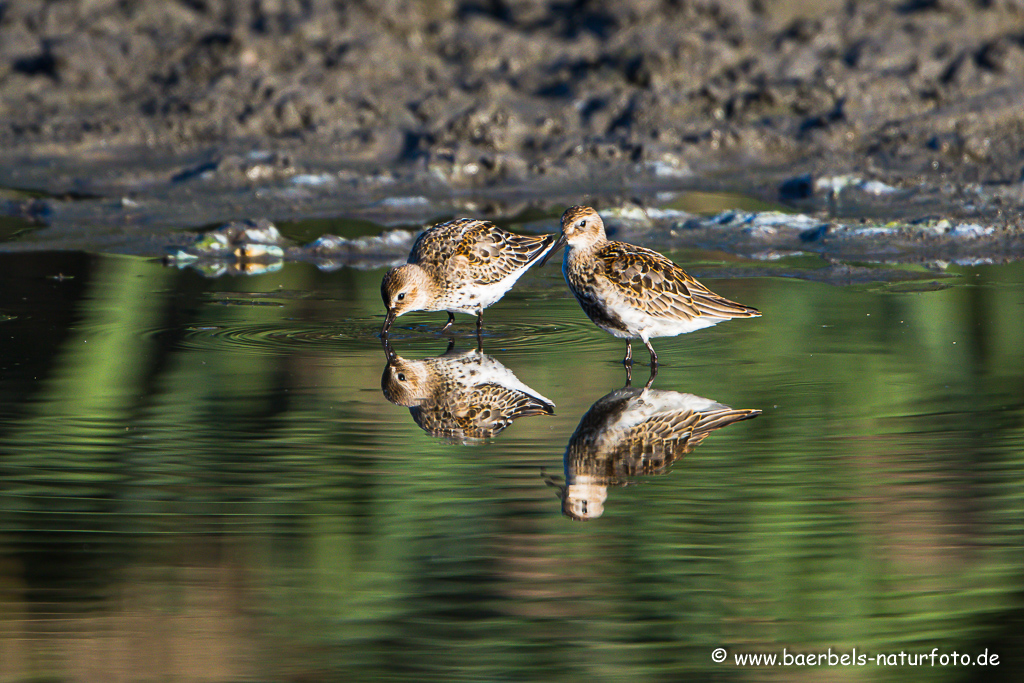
(258, 337)
(525, 337)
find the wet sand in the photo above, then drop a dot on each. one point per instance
(161, 116)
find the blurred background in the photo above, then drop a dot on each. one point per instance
(478, 92)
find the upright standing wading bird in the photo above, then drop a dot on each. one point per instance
(462, 266)
(633, 292)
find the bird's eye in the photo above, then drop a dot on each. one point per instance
(401, 296)
(401, 377)
(582, 223)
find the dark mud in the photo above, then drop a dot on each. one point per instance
(126, 120)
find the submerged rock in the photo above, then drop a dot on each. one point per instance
(330, 252)
(249, 247)
(256, 246)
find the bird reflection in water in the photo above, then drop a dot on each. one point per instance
(460, 396)
(634, 432)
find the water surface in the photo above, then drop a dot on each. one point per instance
(202, 479)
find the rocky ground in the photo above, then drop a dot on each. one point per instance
(476, 94)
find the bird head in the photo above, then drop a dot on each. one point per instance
(405, 288)
(405, 382)
(582, 226)
(584, 501)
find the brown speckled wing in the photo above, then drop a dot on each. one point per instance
(648, 447)
(477, 251)
(653, 283)
(493, 253)
(436, 245)
(480, 412)
(653, 445)
(645, 448)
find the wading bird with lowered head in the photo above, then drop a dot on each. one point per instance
(462, 266)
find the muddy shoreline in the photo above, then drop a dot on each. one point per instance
(123, 123)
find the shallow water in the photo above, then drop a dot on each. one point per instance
(202, 479)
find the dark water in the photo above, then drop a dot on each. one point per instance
(202, 480)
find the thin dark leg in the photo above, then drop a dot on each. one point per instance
(629, 375)
(451, 345)
(654, 356)
(479, 330)
(650, 380)
(451, 319)
(628, 360)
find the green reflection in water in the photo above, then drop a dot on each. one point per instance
(190, 483)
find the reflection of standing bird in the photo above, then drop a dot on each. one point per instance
(460, 396)
(633, 292)
(462, 266)
(634, 432)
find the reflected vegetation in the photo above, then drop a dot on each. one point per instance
(460, 396)
(634, 432)
(193, 489)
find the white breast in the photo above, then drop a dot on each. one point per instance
(645, 324)
(470, 298)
